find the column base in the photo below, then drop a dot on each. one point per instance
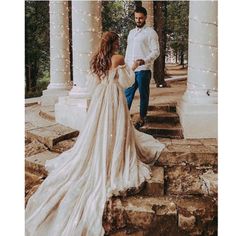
(72, 111)
(50, 96)
(198, 120)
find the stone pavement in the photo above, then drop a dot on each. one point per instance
(181, 197)
(168, 95)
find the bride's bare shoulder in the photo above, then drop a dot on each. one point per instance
(117, 60)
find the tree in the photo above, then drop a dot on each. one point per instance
(138, 3)
(177, 28)
(36, 41)
(159, 22)
(118, 16)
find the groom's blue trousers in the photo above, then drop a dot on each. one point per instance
(142, 81)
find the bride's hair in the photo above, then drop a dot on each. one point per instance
(101, 61)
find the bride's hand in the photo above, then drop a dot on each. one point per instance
(135, 65)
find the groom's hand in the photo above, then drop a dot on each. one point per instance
(140, 62)
(137, 63)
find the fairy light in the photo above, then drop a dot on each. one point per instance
(90, 22)
(59, 44)
(60, 57)
(203, 22)
(203, 44)
(202, 70)
(201, 86)
(86, 18)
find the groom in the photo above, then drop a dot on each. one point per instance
(142, 49)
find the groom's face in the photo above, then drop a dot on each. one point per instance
(140, 19)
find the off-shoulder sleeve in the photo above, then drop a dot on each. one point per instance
(92, 83)
(126, 76)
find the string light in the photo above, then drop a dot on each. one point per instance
(61, 33)
(203, 44)
(203, 22)
(202, 70)
(207, 46)
(201, 86)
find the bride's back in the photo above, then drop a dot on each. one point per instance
(116, 60)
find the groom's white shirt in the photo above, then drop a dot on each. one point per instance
(143, 44)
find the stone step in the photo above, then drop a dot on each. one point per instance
(181, 180)
(47, 112)
(157, 216)
(32, 182)
(127, 232)
(161, 216)
(186, 180)
(164, 130)
(35, 164)
(30, 104)
(197, 215)
(33, 147)
(32, 101)
(32, 179)
(50, 135)
(158, 113)
(168, 107)
(162, 117)
(192, 155)
(63, 146)
(35, 171)
(149, 215)
(155, 186)
(159, 117)
(133, 215)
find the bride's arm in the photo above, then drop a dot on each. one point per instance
(92, 82)
(126, 76)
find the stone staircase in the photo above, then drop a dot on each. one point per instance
(162, 121)
(181, 197)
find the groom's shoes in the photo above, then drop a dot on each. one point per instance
(139, 123)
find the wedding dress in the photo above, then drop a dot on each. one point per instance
(109, 157)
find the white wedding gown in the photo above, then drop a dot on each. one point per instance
(109, 157)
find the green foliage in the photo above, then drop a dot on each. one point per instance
(177, 26)
(41, 85)
(117, 16)
(36, 43)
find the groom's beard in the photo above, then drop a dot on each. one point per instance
(140, 25)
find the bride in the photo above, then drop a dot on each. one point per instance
(108, 158)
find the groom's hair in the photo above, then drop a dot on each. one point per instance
(141, 10)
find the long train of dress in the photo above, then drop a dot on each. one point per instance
(108, 158)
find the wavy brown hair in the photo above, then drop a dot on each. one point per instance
(101, 61)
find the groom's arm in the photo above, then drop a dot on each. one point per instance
(154, 48)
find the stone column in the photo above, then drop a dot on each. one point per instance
(86, 32)
(59, 53)
(198, 106)
(148, 5)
